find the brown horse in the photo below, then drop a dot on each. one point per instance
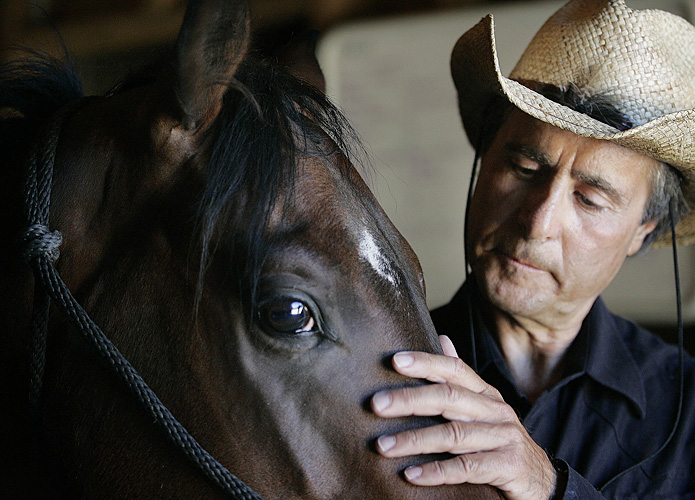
(215, 229)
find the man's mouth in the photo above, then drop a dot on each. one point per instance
(522, 259)
(521, 262)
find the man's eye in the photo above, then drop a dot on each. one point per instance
(287, 316)
(587, 203)
(523, 172)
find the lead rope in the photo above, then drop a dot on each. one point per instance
(37, 242)
(466, 260)
(39, 246)
(681, 356)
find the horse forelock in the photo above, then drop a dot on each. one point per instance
(270, 123)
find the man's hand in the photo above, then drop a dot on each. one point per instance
(490, 443)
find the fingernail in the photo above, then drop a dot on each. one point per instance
(381, 400)
(385, 443)
(403, 359)
(413, 472)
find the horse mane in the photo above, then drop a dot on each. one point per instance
(269, 119)
(32, 88)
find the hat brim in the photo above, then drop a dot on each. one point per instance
(669, 138)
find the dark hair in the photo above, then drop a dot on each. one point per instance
(31, 90)
(665, 180)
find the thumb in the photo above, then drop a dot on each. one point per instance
(448, 346)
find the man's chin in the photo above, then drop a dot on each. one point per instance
(517, 299)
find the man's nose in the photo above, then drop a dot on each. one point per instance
(544, 213)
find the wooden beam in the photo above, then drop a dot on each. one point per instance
(155, 24)
(113, 33)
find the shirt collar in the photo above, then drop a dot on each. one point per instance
(599, 351)
(609, 360)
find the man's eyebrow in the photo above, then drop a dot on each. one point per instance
(529, 152)
(543, 160)
(600, 184)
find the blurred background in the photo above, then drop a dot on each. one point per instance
(105, 36)
(386, 64)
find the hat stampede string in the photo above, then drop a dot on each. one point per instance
(681, 355)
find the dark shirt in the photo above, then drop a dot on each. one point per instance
(615, 405)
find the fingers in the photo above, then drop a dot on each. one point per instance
(437, 368)
(451, 401)
(479, 468)
(451, 437)
(490, 443)
(448, 346)
(502, 455)
(531, 481)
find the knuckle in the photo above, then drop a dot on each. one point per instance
(466, 465)
(407, 397)
(437, 469)
(413, 439)
(451, 393)
(505, 413)
(493, 392)
(456, 434)
(461, 370)
(514, 434)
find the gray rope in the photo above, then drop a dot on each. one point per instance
(38, 240)
(160, 413)
(39, 246)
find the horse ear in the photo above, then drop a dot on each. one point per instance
(299, 56)
(213, 41)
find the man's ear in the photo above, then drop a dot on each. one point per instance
(639, 236)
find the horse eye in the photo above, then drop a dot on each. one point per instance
(286, 315)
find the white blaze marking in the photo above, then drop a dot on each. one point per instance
(371, 252)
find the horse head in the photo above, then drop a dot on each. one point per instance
(214, 227)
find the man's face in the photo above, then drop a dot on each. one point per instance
(553, 217)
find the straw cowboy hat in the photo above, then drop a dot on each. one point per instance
(642, 60)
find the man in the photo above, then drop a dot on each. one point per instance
(586, 157)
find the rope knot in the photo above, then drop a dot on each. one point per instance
(38, 240)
